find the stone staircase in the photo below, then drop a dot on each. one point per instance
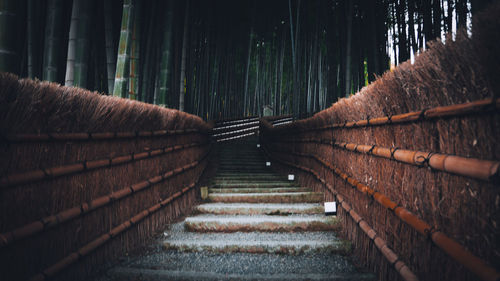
(254, 225)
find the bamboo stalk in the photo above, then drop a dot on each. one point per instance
(51, 221)
(53, 34)
(123, 60)
(8, 36)
(72, 258)
(480, 106)
(470, 167)
(52, 172)
(166, 57)
(97, 136)
(448, 245)
(134, 54)
(110, 45)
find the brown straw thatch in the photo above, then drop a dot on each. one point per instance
(85, 178)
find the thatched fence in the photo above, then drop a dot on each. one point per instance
(85, 178)
(413, 161)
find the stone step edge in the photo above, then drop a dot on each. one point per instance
(259, 208)
(128, 273)
(294, 247)
(265, 225)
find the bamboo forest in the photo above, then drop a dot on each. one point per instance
(222, 58)
(340, 140)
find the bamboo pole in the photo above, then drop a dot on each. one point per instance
(8, 36)
(74, 257)
(54, 220)
(183, 83)
(123, 60)
(53, 38)
(448, 245)
(57, 171)
(487, 170)
(479, 106)
(391, 257)
(97, 136)
(110, 45)
(166, 57)
(134, 54)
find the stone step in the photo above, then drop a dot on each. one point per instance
(253, 169)
(261, 223)
(255, 242)
(144, 274)
(249, 180)
(238, 177)
(258, 189)
(259, 208)
(245, 174)
(269, 197)
(223, 184)
(259, 247)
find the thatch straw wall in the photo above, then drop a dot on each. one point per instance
(465, 208)
(40, 108)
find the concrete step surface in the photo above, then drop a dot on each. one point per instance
(260, 223)
(267, 197)
(173, 265)
(177, 238)
(145, 274)
(259, 208)
(257, 189)
(268, 184)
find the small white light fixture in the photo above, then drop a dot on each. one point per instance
(258, 145)
(330, 208)
(268, 163)
(291, 177)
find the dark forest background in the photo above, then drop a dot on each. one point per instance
(223, 58)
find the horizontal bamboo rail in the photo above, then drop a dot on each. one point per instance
(237, 136)
(95, 136)
(470, 167)
(46, 173)
(229, 127)
(391, 257)
(72, 258)
(235, 121)
(51, 221)
(236, 132)
(448, 245)
(490, 104)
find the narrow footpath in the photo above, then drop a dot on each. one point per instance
(253, 225)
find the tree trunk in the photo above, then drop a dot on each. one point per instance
(166, 57)
(123, 60)
(78, 45)
(349, 16)
(8, 36)
(427, 20)
(403, 47)
(134, 53)
(183, 59)
(53, 40)
(449, 16)
(30, 34)
(110, 45)
(436, 17)
(461, 10)
(247, 72)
